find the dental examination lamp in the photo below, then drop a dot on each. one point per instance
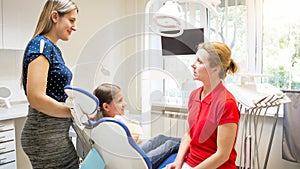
(169, 16)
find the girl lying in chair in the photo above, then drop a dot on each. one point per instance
(112, 105)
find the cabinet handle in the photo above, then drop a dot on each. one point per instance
(6, 130)
(1, 150)
(4, 152)
(2, 160)
(2, 139)
(4, 163)
(5, 141)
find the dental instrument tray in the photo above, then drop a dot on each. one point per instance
(255, 102)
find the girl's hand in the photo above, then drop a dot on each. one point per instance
(136, 138)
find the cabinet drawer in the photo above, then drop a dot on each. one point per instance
(7, 147)
(7, 136)
(11, 165)
(7, 158)
(6, 125)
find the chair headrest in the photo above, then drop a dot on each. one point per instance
(87, 102)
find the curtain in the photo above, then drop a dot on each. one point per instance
(291, 125)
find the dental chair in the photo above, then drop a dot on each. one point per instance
(110, 137)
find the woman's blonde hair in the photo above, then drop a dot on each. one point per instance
(45, 23)
(219, 55)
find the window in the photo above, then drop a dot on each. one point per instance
(264, 37)
(281, 42)
(230, 28)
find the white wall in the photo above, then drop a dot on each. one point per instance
(11, 64)
(108, 36)
(10, 72)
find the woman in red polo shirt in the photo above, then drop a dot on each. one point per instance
(213, 113)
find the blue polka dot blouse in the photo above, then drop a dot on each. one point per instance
(58, 75)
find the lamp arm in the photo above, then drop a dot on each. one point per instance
(149, 5)
(209, 4)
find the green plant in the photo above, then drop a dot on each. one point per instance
(280, 78)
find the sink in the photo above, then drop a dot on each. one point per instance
(5, 95)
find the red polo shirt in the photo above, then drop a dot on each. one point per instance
(219, 107)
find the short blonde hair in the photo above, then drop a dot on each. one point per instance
(45, 23)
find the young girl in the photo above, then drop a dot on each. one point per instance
(112, 104)
(45, 136)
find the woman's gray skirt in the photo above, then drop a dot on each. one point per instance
(46, 141)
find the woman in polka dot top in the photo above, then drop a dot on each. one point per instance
(45, 135)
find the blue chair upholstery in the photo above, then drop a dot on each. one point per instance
(169, 160)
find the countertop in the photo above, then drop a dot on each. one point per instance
(17, 100)
(17, 110)
(168, 107)
(171, 111)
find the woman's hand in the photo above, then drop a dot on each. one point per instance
(173, 165)
(182, 152)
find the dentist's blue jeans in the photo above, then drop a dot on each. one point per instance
(160, 148)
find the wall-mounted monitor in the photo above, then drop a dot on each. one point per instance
(185, 44)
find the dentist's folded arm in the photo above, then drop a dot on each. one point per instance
(36, 90)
